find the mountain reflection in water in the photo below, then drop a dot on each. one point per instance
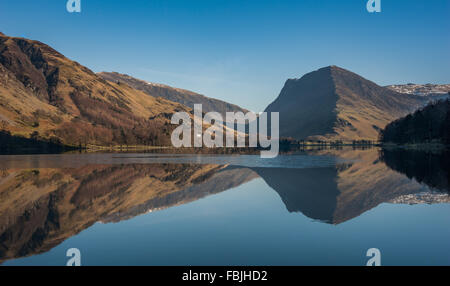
(44, 200)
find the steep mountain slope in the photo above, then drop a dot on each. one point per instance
(182, 96)
(333, 103)
(45, 93)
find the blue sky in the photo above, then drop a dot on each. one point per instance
(242, 51)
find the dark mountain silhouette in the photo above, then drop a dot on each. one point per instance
(312, 192)
(335, 104)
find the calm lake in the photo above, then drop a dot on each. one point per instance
(319, 207)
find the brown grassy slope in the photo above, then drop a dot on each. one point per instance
(42, 90)
(182, 96)
(333, 103)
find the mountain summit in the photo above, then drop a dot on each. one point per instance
(335, 104)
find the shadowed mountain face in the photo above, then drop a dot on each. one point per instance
(185, 97)
(306, 106)
(312, 192)
(333, 103)
(46, 94)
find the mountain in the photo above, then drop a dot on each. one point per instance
(182, 96)
(45, 94)
(421, 89)
(335, 104)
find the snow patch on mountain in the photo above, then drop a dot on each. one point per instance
(421, 89)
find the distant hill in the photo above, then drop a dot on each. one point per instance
(335, 104)
(182, 96)
(427, 125)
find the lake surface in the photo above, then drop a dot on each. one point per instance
(323, 207)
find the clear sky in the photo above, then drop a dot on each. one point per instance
(242, 51)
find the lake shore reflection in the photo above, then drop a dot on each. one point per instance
(47, 199)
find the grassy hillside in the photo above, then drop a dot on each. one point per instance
(46, 94)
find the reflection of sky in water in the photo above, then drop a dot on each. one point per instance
(291, 210)
(250, 225)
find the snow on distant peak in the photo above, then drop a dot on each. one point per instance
(421, 89)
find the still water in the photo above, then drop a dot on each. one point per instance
(325, 207)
